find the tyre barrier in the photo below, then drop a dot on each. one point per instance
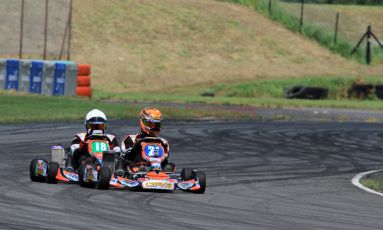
(304, 92)
(208, 94)
(379, 91)
(84, 91)
(83, 81)
(83, 70)
(360, 91)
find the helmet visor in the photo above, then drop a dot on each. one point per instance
(96, 126)
(152, 125)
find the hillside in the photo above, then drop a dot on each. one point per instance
(353, 18)
(146, 45)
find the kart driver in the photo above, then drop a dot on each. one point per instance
(150, 122)
(95, 124)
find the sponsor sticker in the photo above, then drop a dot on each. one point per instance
(154, 151)
(142, 179)
(129, 183)
(41, 168)
(12, 77)
(113, 181)
(72, 176)
(157, 185)
(61, 80)
(90, 174)
(36, 79)
(185, 185)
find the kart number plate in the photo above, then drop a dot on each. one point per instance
(157, 185)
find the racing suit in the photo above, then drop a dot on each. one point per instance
(133, 156)
(79, 149)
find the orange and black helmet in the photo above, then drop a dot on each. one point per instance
(150, 121)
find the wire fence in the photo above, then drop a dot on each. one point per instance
(353, 19)
(331, 24)
(37, 29)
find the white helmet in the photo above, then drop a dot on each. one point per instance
(95, 120)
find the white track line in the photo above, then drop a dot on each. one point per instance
(356, 179)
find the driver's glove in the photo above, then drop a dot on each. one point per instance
(83, 146)
(117, 149)
(126, 152)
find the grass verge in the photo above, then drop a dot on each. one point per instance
(337, 86)
(373, 181)
(257, 102)
(16, 108)
(262, 93)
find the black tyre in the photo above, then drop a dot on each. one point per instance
(81, 173)
(379, 91)
(53, 167)
(105, 174)
(187, 173)
(294, 92)
(32, 171)
(303, 92)
(201, 178)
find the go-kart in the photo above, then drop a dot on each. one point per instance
(95, 171)
(150, 175)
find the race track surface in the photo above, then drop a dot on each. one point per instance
(260, 175)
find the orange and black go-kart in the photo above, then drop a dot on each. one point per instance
(149, 175)
(95, 171)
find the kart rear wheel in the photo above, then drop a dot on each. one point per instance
(105, 174)
(81, 174)
(201, 178)
(187, 173)
(32, 171)
(53, 167)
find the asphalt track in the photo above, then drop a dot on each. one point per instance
(260, 175)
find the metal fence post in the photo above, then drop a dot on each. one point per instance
(336, 27)
(21, 30)
(368, 35)
(70, 27)
(301, 21)
(46, 29)
(368, 48)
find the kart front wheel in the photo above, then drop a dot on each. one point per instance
(81, 176)
(105, 175)
(201, 178)
(32, 171)
(53, 167)
(187, 173)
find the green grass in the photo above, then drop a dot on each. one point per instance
(22, 108)
(312, 29)
(264, 89)
(17, 108)
(262, 93)
(361, 2)
(373, 184)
